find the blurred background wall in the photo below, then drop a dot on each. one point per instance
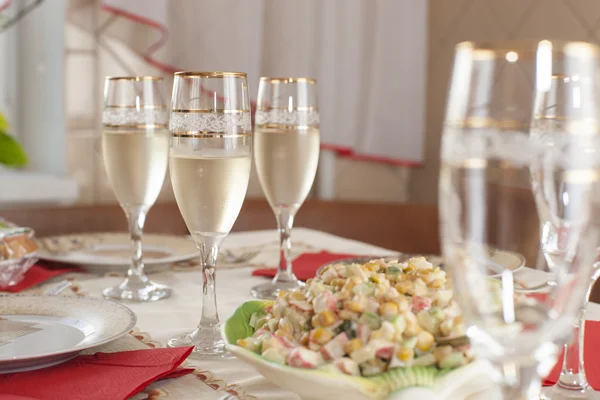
(89, 56)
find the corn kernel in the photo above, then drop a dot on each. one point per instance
(405, 354)
(282, 294)
(351, 282)
(412, 329)
(342, 295)
(242, 342)
(436, 270)
(353, 345)
(321, 335)
(404, 287)
(409, 268)
(377, 334)
(389, 310)
(355, 306)
(338, 282)
(402, 303)
(285, 325)
(372, 266)
(435, 284)
(327, 318)
(424, 341)
(283, 334)
(297, 295)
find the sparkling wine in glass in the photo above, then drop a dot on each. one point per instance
(135, 147)
(286, 155)
(485, 183)
(210, 161)
(566, 117)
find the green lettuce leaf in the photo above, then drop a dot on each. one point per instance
(11, 152)
(238, 327)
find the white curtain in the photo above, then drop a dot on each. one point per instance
(369, 57)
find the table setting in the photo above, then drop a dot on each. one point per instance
(254, 315)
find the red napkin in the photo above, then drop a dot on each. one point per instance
(36, 275)
(101, 376)
(592, 367)
(305, 266)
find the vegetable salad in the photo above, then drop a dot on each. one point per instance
(364, 319)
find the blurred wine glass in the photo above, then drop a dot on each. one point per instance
(569, 108)
(487, 155)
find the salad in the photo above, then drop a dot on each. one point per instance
(364, 320)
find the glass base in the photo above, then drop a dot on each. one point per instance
(557, 392)
(270, 290)
(207, 342)
(142, 291)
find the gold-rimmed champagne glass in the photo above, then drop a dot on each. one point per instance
(210, 161)
(135, 147)
(286, 155)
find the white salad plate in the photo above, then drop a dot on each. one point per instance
(102, 253)
(317, 385)
(38, 331)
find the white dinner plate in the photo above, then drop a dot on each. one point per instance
(39, 331)
(101, 253)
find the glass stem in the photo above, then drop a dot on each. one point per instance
(136, 216)
(572, 375)
(520, 382)
(285, 220)
(209, 250)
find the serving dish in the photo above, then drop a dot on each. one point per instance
(325, 384)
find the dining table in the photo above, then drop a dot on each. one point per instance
(226, 379)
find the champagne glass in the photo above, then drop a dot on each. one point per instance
(135, 146)
(570, 107)
(286, 155)
(210, 160)
(485, 183)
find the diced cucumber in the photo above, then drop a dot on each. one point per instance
(437, 313)
(370, 319)
(424, 361)
(454, 360)
(410, 343)
(349, 327)
(401, 378)
(393, 270)
(272, 324)
(428, 322)
(367, 288)
(257, 319)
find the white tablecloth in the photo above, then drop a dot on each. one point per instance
(180, 313)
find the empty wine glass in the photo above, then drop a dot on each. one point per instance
(286, 154)
(569, 107)
(210, 160)
(485, 183)
(135, 146)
